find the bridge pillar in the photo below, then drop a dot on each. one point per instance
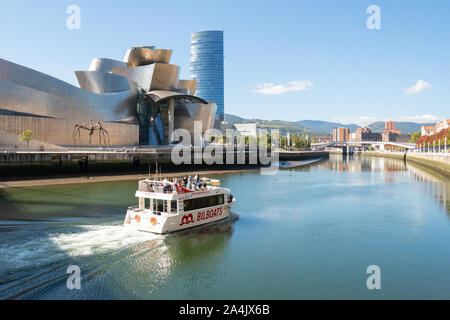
(344, 150)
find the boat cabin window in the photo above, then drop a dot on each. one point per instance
(194, 204)
(160, 205)
(173, 206)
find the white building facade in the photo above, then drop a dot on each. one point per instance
(248, 129)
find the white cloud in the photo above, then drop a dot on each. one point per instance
(426, 118)
(418, 87)
(271, 88)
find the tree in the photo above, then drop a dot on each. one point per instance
(414, 137)
(27, 136)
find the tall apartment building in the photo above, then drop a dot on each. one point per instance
(366, 134)
(389, 126)
(340, 134)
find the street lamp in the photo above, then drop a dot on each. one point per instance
(445, 144)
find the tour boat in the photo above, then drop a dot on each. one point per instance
(166, 207)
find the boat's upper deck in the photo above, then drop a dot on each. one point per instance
(168, 190)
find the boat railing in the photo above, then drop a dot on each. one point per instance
(169, 187)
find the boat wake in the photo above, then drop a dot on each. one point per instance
(57, 246)
(34, 264)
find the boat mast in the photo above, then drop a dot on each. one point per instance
(149, 171)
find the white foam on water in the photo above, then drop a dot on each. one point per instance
(100, 239)
(95, 239)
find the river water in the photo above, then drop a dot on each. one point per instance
(307, 233)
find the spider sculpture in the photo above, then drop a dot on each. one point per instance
(91, 128)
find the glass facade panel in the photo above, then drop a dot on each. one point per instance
(207, 68)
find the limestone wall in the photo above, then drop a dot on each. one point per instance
(60, 131)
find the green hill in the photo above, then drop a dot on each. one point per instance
(230, 118)
(318, 127)
(284, 126)
(325, 126)
(406, 127)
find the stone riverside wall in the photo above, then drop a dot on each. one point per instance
(438, 162)
(435, 161)
(441, 158)
(69, 163)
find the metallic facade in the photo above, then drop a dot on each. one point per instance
(144, 56)
(207, 67)
(31, 92)
(143, 92)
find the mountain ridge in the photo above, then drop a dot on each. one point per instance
(320, 127)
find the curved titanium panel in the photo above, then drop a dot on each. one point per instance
(190, 85)
(155, 76)
(186, 114)
(144, 56)
(29, 91)
(126, 56)
(161, 95)
(162, 55)
(165, 77)
(142, 76)
(100, 82)
(207, 114)
(105, 64)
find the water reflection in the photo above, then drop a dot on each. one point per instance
(359, 164)
(432, 183)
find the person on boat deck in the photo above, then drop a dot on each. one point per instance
(166, 185)
(185, 181)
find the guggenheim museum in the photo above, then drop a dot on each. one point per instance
(136, 101)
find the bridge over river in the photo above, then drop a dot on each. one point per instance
(362, 145)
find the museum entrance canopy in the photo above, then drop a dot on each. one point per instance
(161, 96)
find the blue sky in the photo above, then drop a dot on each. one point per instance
(317, 59)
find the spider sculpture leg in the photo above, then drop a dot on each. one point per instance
(107, 134)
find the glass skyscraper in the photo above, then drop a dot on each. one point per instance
(207, 68)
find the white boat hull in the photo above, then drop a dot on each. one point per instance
(145, 220)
